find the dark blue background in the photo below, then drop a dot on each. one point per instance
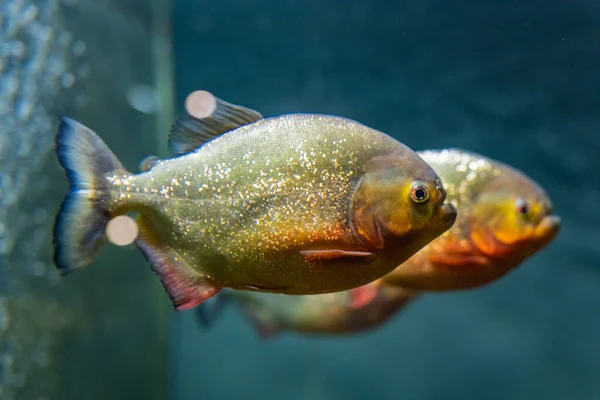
(517, 81)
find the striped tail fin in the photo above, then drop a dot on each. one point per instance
(79, 227)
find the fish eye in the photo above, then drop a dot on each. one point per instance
(419, 193)
(522, 207)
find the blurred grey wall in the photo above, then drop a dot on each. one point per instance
(100, 333)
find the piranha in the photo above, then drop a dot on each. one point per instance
(504, 218)
(294, 204)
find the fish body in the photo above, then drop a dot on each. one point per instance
(296, 204)
(504, 217)
(260, 197)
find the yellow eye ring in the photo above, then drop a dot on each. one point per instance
(419, 193)
(522, 207)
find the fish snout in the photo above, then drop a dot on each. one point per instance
(446, 213)
(548, 227)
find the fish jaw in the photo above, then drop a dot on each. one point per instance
(446, 215)
(547, 229)
(541, 235)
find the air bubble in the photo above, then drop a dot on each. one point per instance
(29, 13)
(78, 48)
(44, 33)
(67, 80)
(24, 109)
(143, 98)
(200, 104)
(122, 230)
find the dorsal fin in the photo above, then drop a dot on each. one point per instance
(188, 132)
(148, 163)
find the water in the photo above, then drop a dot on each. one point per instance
(516, 81)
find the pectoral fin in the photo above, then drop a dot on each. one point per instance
(334, 254)
(268, 288)
(487, 244)
(185, 287)
(459, 260)
(458, 254)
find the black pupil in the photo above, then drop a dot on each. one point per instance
(420, 193)
(523, 209)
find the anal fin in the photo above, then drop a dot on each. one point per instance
(185, 287)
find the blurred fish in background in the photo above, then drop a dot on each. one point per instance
(504, 217)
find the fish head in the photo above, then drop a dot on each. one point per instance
(512, 217)
(399, 203)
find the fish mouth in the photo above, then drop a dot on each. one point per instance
(543, 233)
(446, 214)
(548, 228)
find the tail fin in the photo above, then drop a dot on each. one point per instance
(209, 310)
(80, 223)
